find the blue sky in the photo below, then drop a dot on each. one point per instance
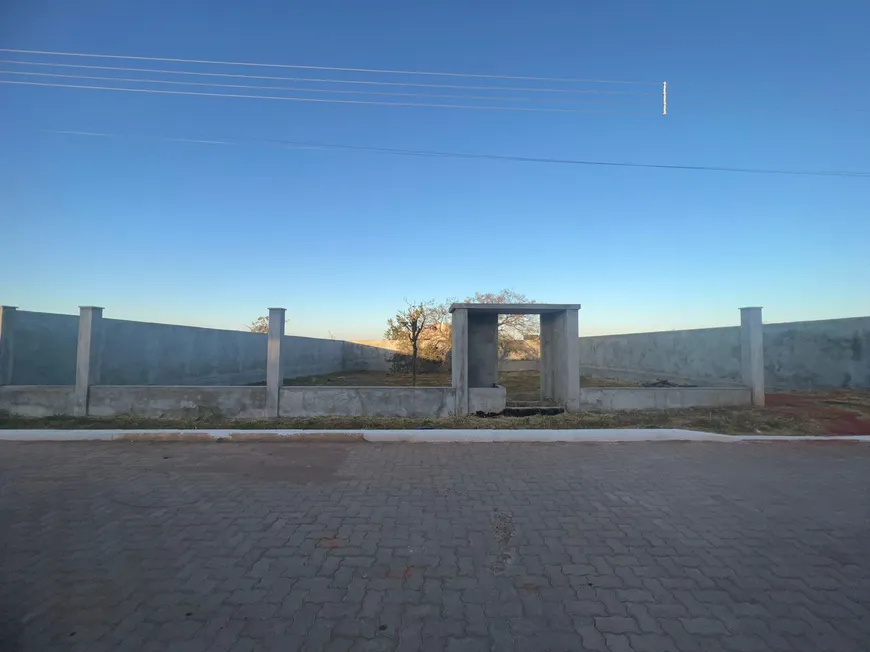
(213, 234)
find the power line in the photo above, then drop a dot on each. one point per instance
(308, 99)
(297, 144)
(300, 89)
(519, 89)
(330, 68)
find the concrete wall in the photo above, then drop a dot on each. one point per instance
(655, 398)
(797, 355)
(482, 349)
(142, 353)
(37, 401)
(178, 402)
(427, 402)
(710, 354)
(310, 356)
(489, 400)
(45, 348)
(250, 402)
(242, 402)
(369, 355)
(828, 353)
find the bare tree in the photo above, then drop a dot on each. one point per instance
(409, 323)
(259, 325)
(434, 343)
(511, 327)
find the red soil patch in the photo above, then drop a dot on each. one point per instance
(838, 413)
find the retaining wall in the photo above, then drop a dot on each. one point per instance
(37, 400)
(661, 398)
(367, 401)
(178, 402)
(247, 402)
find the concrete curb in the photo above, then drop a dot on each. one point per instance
(422, 436)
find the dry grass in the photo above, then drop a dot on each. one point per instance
(724, 420)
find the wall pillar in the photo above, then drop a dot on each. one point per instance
(571, 387)
(547, 363)
(459, 359)
(560, 358)
(274, 361)
(482, 349)
(7, 335)
(752, 353)
(87, 355)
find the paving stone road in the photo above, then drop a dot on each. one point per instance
(356, 546)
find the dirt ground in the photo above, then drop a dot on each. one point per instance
(520, 385)
(833, 412)
(841, 412)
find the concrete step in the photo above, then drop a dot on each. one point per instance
(531, 410)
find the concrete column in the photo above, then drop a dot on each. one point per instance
(547, 365)
(752, 352)
(87, 355)
(274, 362)
(459, 359)
(560, 358)
(482, 349)
(7, 334)
(571, 394)
(557, 353)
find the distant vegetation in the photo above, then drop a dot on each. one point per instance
(423, 335)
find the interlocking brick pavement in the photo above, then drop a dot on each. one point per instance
(330, 546)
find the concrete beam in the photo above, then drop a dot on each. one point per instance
(7, 337)
(274, 361)
(752, 353)
(459, 359)
(515, 308)
(87, 355)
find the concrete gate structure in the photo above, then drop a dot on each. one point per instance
(475, 349)
(473, 389)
